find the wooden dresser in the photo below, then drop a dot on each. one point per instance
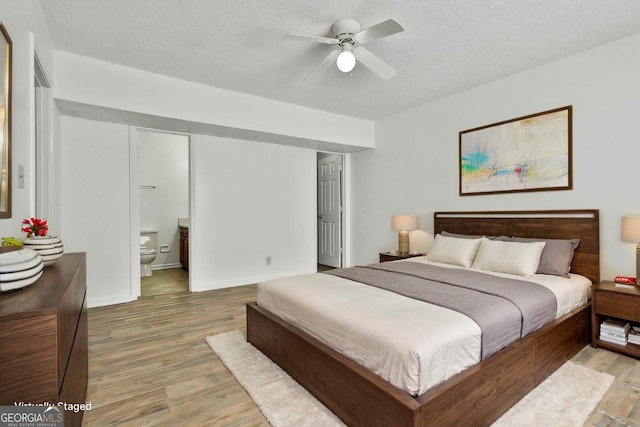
(43, 331)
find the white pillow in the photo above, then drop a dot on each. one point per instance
(451, 250)
(509, 257)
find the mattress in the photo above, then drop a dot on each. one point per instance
(411, 344)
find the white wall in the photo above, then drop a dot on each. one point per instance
(95, 204)
(251, 200)
(25, 25)
(89, 81)
(414, 168)
(163, 162)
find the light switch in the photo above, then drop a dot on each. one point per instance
(20, 176)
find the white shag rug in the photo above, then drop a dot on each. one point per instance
(565, 399)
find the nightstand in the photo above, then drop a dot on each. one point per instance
(609, 301)
(394, 256)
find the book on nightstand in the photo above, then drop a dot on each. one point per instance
(614, 325)
(614, 331)
(634, 335)
(613, 340)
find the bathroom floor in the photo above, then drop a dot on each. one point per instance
(166, 281)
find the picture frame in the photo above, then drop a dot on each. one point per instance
(6, 57)
(528, 153)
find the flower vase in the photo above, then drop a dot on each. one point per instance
(50, 248)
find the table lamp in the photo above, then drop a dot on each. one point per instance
(403, 224)
(630, 232)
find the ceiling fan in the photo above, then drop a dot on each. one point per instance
(348, 35)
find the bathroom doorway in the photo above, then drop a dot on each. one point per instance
(161, 221)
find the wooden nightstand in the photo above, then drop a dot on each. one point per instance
(394, 256)
(609, 301)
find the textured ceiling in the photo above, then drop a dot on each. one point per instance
(447, 46)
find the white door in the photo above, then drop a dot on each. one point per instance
(330, 210)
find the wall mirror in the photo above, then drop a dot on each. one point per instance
(5, 123)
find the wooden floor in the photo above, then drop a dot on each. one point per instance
(149, 365)
(165, 281)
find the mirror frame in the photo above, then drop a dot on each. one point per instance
(5, 150)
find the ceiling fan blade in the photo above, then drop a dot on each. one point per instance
(326, 63)
(375, 64)
(313, 39)
(378, 31)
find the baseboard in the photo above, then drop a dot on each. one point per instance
(165, 266)
(209, 286)
(100, 302)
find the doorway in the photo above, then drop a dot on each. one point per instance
(44, 180)
(160, 210)
(330, 211)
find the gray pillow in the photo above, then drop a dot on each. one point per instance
(556, 256)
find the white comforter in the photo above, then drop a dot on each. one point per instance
(412, 344)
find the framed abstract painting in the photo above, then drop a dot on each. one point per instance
(530, 153)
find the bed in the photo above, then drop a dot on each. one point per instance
(479, 394)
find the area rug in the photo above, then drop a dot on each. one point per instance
(565, 399)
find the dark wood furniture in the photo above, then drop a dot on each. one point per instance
(184, 247)
(395, 256)
(609, 301)
(43, 330)
(476, 396)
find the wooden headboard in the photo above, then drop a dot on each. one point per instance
(553, 224)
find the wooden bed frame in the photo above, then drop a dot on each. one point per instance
(476, 396)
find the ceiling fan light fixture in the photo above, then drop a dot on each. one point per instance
(347, 33)
(346, 60)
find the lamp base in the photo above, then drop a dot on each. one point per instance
(403, 242)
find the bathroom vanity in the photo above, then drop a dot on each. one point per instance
(184, 246)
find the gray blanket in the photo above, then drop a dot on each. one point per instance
(505, 309)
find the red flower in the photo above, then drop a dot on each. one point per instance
(35, 226)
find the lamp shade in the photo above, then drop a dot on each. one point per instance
(404, 222)
(630, 229)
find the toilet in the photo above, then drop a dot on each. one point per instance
(148, 247)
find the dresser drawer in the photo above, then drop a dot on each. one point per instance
(69, 312)
(74, 386)
(28, 343)
(610, 304)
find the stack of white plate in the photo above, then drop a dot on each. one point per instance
(19, 269)
(50, 248)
